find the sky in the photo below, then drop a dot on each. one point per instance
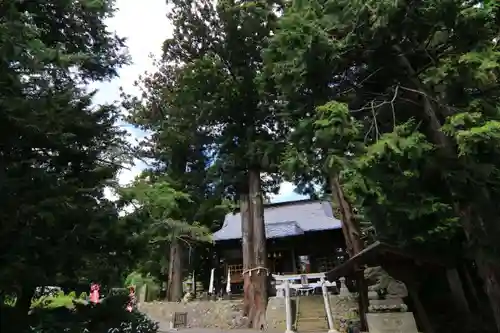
(145, 26)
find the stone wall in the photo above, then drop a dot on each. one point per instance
(344, 309)
(223, 314)
(228, 314)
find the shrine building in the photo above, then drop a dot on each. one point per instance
(303, 237)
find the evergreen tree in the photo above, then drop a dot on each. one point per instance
(180, 151)
(57, 151)
(219, 48)
(420, 80)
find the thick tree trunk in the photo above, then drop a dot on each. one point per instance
(174, 283)
(470, 286)
(489, 273)
(350, 227)
(259, 275)
(247, 249)
(457, 291)
(354, 243)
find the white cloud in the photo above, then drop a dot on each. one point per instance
(145, 26)
(286, 193)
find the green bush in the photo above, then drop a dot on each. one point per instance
(8, 300)
(58, 300)
(108, 316)
(83, 296)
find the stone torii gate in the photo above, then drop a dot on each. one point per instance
(286, 282)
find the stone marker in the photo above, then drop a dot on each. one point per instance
(388, 315)
(402, 322)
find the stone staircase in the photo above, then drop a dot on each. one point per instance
(311, 316)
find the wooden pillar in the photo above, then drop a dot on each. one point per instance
(363, 301)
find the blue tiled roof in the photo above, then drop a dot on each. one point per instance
(283, 220)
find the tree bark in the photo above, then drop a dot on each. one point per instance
(354, 243)
(259, 275)
(491, 287)
(174, 283)
(488, 271)
(350, 227)
(457, 291)
(247, 249)
(470, 286)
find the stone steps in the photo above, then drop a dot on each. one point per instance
(311, 315)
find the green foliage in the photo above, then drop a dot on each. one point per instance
(201, 148)
(109, 315)
(417, 146)
(397, 162)
(393, 102)
(139, 280)
(398, 100)
(383, 142)
(58, 150)
(58, 300)
(215, 55)
(160, 202)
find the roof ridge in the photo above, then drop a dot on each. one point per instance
(300, 213)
